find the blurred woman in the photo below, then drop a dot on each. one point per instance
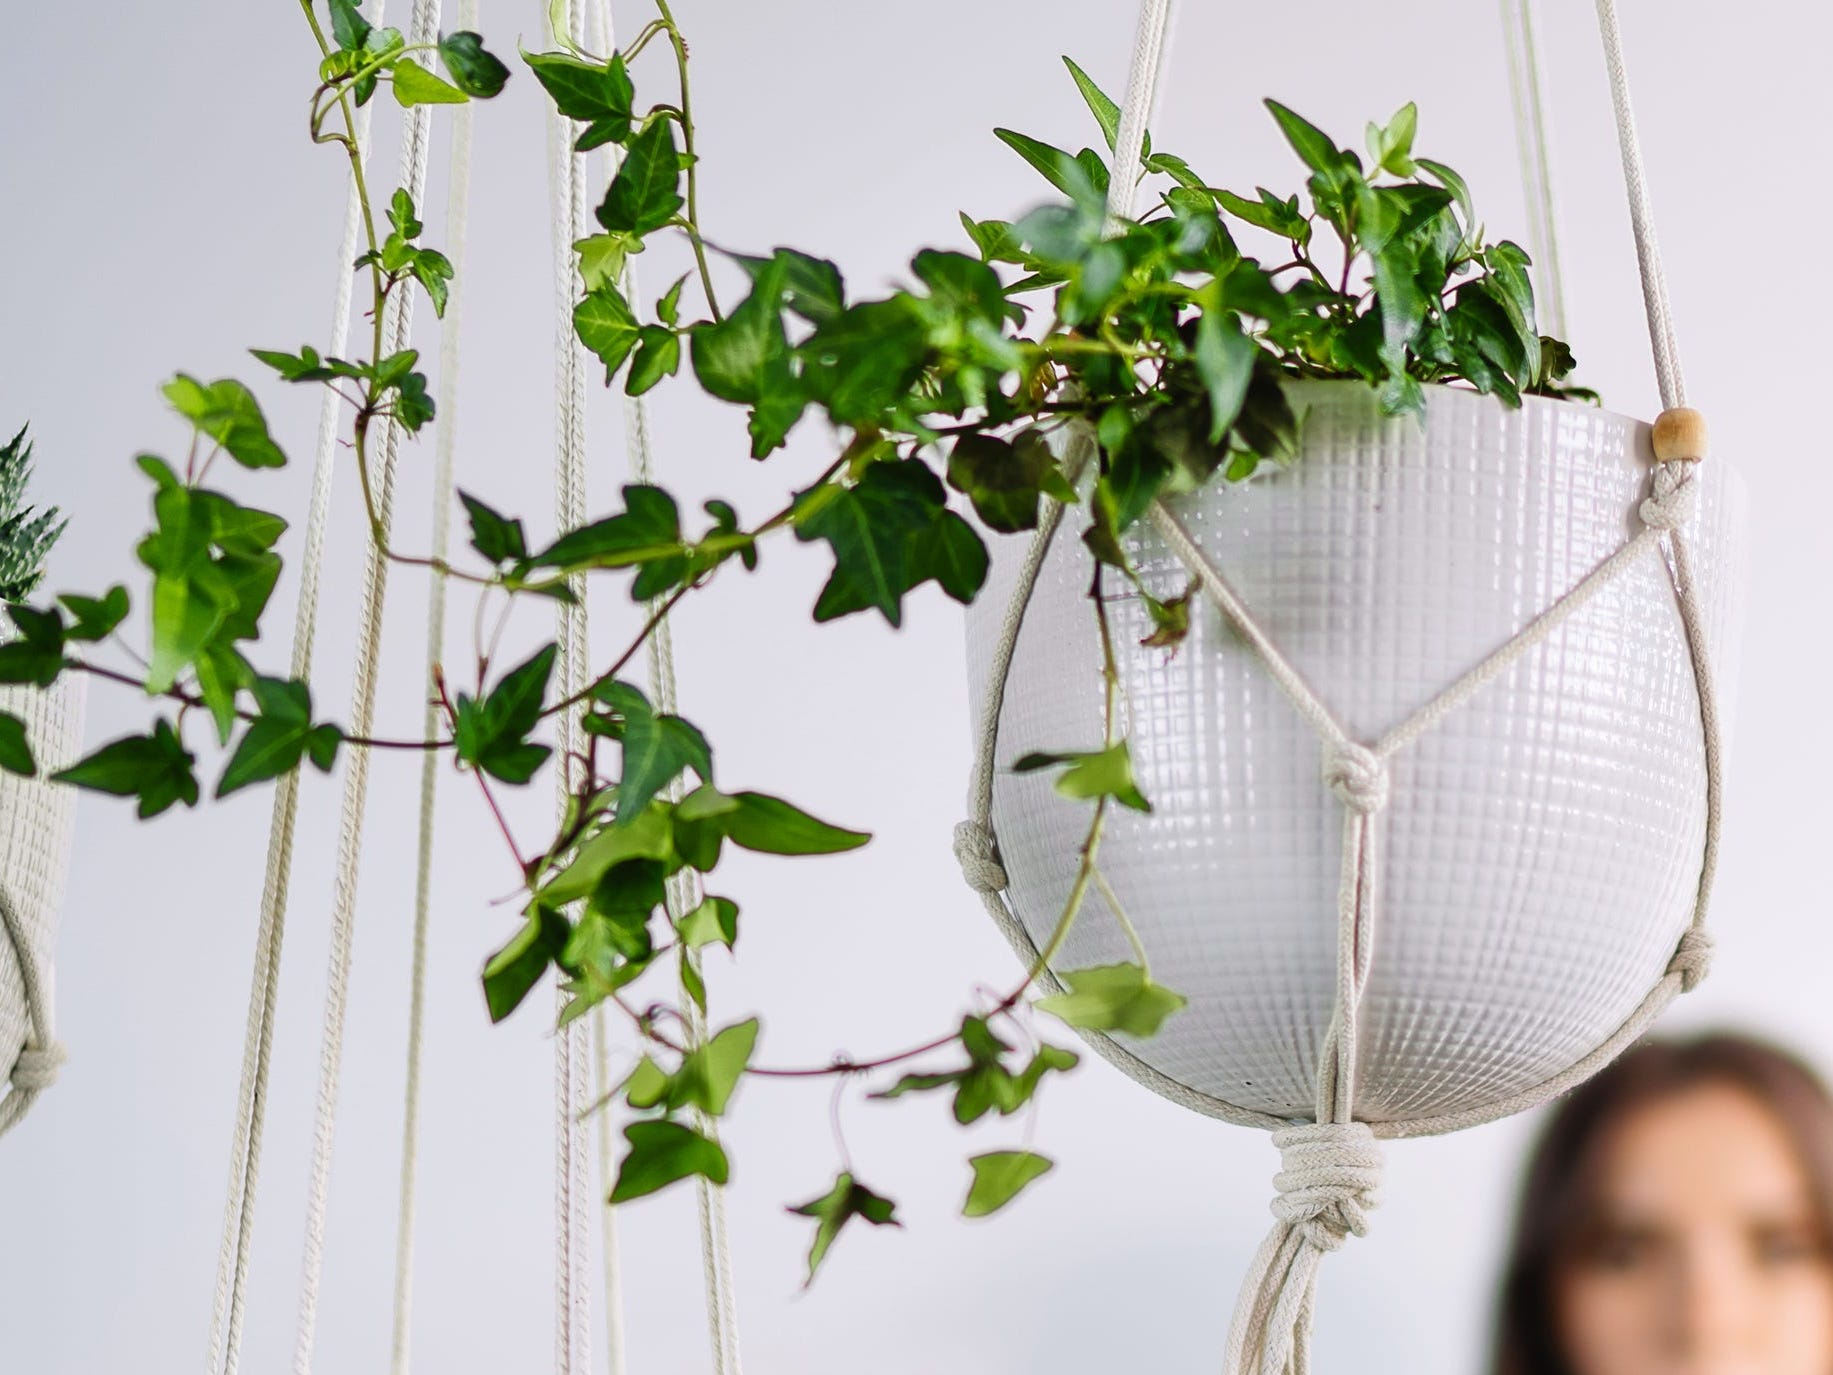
(1676, 1220)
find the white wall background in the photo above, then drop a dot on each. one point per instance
(163, 210)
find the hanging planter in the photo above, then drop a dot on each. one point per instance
(1540, 848)
(38, 728)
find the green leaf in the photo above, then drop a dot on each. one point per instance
(706, 1078)
(746, 358)
(1224, 358)
(498, 538)
(656, 748)
(474, 70)
(658, 355)
(985, 1084)
(226, 411)
(647, 533)
(16, 749)
(1391, 145)
(1113, 997)
(769, 825)
(811, 287)
(515, 969)
(952, 553)
(662, 1153)
(999, 1177)
(606, 325)
(645, 194)
(599, 95)
(964, 286)
(36, 656)
(415, 85)
(1311, 143)
(1059, 168)
(1105, 111)
(1005, 480)
(155, 768)
(492, 733)
(279, 738)
(848, 1199)
(348, 25)
(881, 533)
(96, 617)
(648, 836)
(1097, 773)
(601, 258)
(713, 919)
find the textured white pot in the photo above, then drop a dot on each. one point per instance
(36, 820)
(1541, 852)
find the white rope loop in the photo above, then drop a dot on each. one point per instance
(1328, 1182)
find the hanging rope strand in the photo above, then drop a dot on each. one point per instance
(1642, 216)
(1531, 142)
(572, 1189)
(257, 1046)
(397, 330)
(458, 192)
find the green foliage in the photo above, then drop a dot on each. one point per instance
(491, 733)
(662, 1153)
(279, 737)
(999, 1177)
(154, 768)
(986, 1083)
(1091, 774)
(26, 535)
(848, 1199)
(1113, 997)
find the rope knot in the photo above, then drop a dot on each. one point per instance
(1328, 1180)
(36, 1069)
(1358, 776)
(1672, 502)
(978, 856)
(1692, 958)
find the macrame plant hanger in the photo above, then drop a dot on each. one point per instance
(1331, 1165)
(568, 181)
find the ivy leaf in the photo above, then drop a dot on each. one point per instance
(1113, 997)
(645, 194)
(1091, 774)
(1059, 168)
(713, 919)
(746, 358)
(769, 825)
(348, 25)
(1391, 145)
(491, 734)
(1004, 480)
(495, 536)
(36, 656)
(999, 1177)
(280, 737)
(880, 532)
(96, 617)
(515, 969)
(15, 748)
(656, 747)
(226, 411)
(811, 287)
(658, 355)
(848, 1199)
(599, 95)
(662, 1153)
(415, 85)
(1105, 111)
(606, 325)
(155, 768)
(985, 1084)
(1224, 358)
(475, 71)
(707, 1076)
(645, 534)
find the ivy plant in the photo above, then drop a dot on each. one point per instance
(1168, 338)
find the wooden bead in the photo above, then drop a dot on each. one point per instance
(1680, 434)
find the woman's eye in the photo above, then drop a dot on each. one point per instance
(1624, 1250)
(1787, 1246)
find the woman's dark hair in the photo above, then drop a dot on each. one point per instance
(1559, 1194)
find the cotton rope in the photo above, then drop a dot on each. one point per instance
(1528, 93)
(604, 40)
(251, 1095)
(397, 330)
(42, 1055)
(458, 190)
(1331, 1167)
(567, 181)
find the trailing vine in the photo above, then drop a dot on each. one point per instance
(1162, 337)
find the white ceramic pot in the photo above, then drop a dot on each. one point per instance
(36, 820)
(1541, 851)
